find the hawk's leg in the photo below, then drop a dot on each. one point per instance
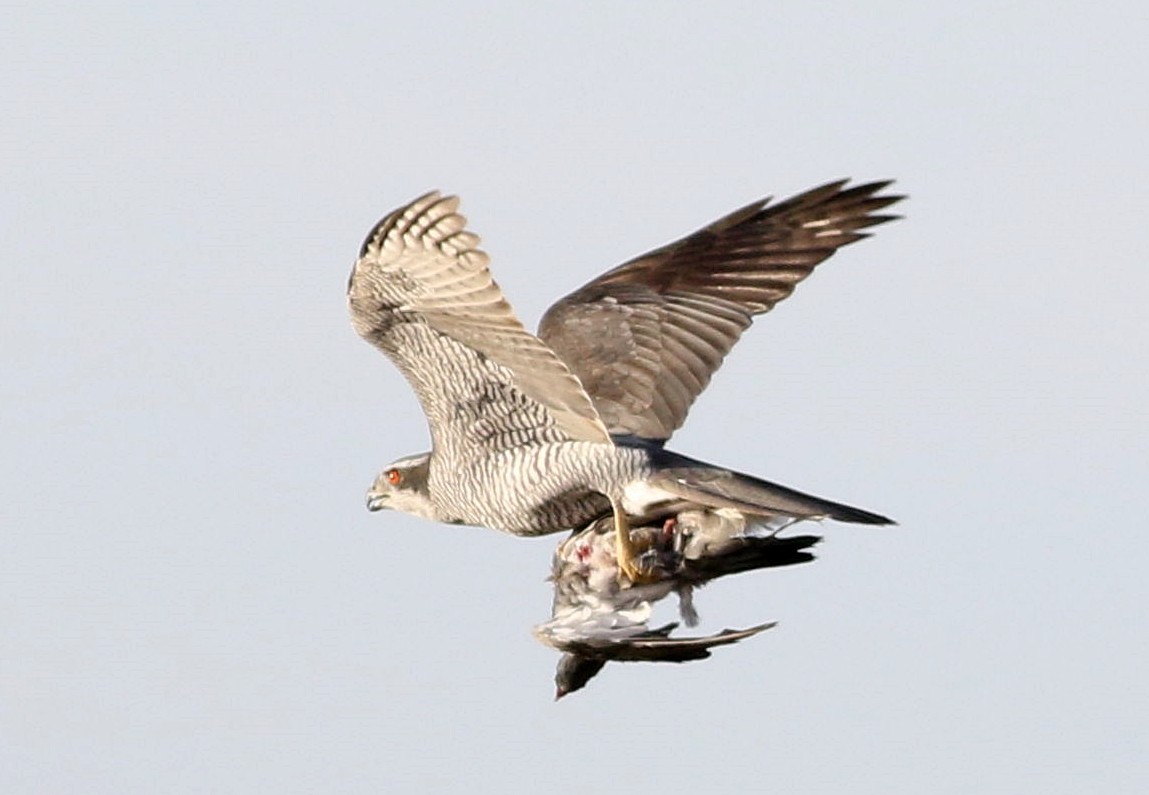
(627, 553)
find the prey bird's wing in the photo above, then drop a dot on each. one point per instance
(650, 645)
(422, 293)
(583, 657)
(646, 337)
(656, 648)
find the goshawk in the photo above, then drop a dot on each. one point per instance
(539, 434)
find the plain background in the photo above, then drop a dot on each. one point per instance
(193, 596)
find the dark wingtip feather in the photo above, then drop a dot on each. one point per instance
(846, 513)
(874, 220)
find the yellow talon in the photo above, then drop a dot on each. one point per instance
(626, 553)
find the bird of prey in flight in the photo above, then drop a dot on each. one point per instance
(540, 434)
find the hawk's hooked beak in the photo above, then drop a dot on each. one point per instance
(376, 502)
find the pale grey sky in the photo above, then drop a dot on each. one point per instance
(192, 596)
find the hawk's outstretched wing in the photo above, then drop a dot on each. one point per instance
(646, 337)
(422, 293)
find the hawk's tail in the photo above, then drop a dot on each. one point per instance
(721, 488)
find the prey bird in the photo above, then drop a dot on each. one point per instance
(540, 434)
(597, 618)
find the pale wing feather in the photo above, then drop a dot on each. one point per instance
(636, 643)
(421, 291)
(646, 337)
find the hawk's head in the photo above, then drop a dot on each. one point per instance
(402, 486)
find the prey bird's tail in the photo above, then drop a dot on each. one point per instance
(715, 487)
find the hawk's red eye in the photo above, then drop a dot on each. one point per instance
(394, 477)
